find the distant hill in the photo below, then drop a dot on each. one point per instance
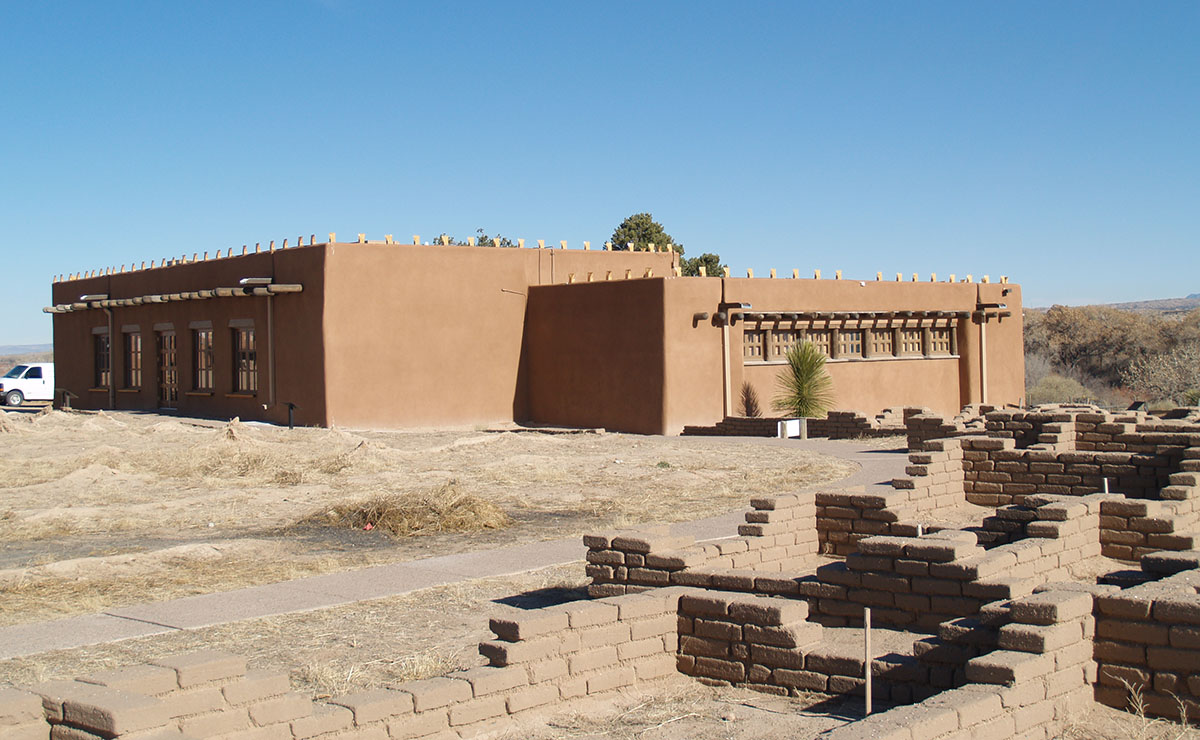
(25, 349)
(1165, 306)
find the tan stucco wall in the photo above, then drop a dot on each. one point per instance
(870, 385)
(425, 336)
(596, 355)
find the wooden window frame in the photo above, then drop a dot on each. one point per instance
(245, 360)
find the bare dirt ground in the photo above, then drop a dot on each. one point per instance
(106, 509)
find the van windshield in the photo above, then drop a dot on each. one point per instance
(16, 371)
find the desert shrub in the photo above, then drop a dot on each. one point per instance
(805, 387)
(1054, 388)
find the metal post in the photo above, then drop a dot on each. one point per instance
(291, 415)
(867, 653)
(1106, 485)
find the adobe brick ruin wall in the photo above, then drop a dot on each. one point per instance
(1030, 657)
(1148, 638)
(834, 425)
(915, 583)
(551, 655)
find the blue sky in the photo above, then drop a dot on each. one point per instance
(1056, 143)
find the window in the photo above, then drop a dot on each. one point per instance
(202, 360)
(910, 342)
(820, 338)
(783, 340)
(754, 345)
(35, 373)
(850, 343)
(133, 359)
(245, 361)
(939, 342)
(102, 361)
(882, 342)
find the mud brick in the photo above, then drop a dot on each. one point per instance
(588, 614)
(691, 578)
(724, 670)
(833, 665)
(324, 719)
(434, 693)
(103, 710)
(1039, 638)
(1177, 609)
(254, 686)
(644, 543)
(912, 567)
(195, 701)
(776, 585)
(613, 678)
(478, 710)
(768, 611)
(693, 645)
(606, 557)
(203, 666)
(597, 541)
(937, 586)
(797, 634)
(884, 582)
(1172, 659)
(734, 580)
(530, 697)
(942, 551)
(1008, 667)
(719, 630)
(698, 605)
(487, 680)
(525, 627)
(640, 648)
(838, 573)
(1119, 675)
(613, 634)
(546, 670)
(1143, 633)
(216, 724)
(1050, 607)
(777, 657)
(592, 660)
(372, 706)
(510, 653)
(419, 725)
(603, 590)
(676, 559)
(640, 629)
(655, 666)
(139, 679)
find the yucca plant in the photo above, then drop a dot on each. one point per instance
(805, 389)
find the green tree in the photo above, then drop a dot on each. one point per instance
(804, 386)
(641, 230)
(712, 265)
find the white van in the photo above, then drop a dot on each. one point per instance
(32, 381)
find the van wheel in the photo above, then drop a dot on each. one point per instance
(14, 398)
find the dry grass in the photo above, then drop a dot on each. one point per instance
(77, 485)
(1106, 723)
(50, 597)
(446, 508)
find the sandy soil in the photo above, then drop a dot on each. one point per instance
(105, 509)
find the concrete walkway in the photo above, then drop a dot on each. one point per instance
(393, 579)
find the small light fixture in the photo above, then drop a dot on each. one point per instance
(94, 297)
(255, 281)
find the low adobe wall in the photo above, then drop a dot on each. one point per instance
(1148, 639)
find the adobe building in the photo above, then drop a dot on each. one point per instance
(387, 335)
